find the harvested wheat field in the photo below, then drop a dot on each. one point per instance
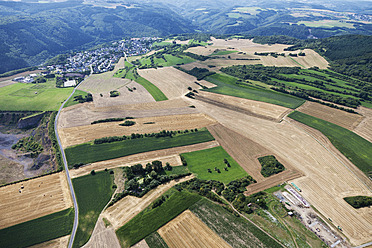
(336, 116)
(187, 230)
(364, 128)
(255, 108)
(55, 243)
(141, 244)
(38, 197)
(102, 236)
(131, 93)
(84, 114)
(172, 82)
(170, 155)
(128, 207)
(304, 153)
(81, 134)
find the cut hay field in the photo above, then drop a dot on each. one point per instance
(172, 82)
(150, 220)
(35, 97)
(307, 154)
(128, 207)
(187, 230)
(89, 153)
(102, 236)
(336, 116)
(81, 134)
(157, 94)
(199, 162)
(364, 128)
(39, 197)
(38, 230)
(227, 86)
(93, 192)
(61, 242)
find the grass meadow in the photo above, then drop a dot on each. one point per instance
(93, 192)
(154, 240)
(71, 101)
(199, 162)
(355, 148)
(89, 153)
(38, 230)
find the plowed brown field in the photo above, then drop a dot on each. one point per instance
(321, 166)
(170, 155)
(128, 207)
(172, 82)
(364, 128)
(80, 134)
(336, 116)
(41, 196)
(187, 230)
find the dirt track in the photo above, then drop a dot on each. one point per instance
(336, 116)
(187, 230)
(39, 197)
(303, 152)
(77, 135)
(170, 155)
(128, 207)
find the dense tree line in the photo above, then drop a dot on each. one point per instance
(199, 73)
(110, 120)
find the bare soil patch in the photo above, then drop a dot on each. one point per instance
(187, 230)
(172, 82)
(128, 207)
(77, 135)
(38, 197)
(170, 155)
(102, 236)
(364, 128)
(141, 244)
(61, 242)
(303, 152)
(10, 171)
(336, 116)
(84, 114)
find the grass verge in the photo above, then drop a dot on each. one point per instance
(355, 148)
(150, 220)
(200, 161)
(89, 153)
(38, 230)
(93, 192)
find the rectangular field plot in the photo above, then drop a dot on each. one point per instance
(187, 230)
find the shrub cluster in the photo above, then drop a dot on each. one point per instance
(270, 165)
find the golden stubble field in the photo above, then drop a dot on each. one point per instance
(80, 134)
(321, 167)
(41, 196)
(364, 128)
(187, 230)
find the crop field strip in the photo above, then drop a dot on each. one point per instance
(81, 134)
(39, 197)
(88, 153)
(186, 230)
(364, 128)
(61, 242)
(305, 154)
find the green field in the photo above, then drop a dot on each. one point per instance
(227, 86)
(89, 153)
(223, 52)
(199, 162)
(150, 220)
(355, 148)
(327, 24)
(71, 101)
(154, 240)
(177, 170)
(234, 230)
(38, 230)
(93, 192)
(156, 93)
(170, 60)
(35, 97)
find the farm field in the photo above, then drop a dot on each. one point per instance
(149, 221)
(236, 231)
(88, 153)
(172, 82)
(226, 86)
(81, 134)
(356, 149)
(304, 153)
(167, 155)
(38, 230)
(39, 197)
(93, 192)
(199, 162)
(338, 117)
(128, 207)
(364, 128)
(157, 94)
(55, 243)
(84, 114)
(154, 240)
(186, 230)
(35, 97)
(71, 101)
(102, 236)
(170, 60)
